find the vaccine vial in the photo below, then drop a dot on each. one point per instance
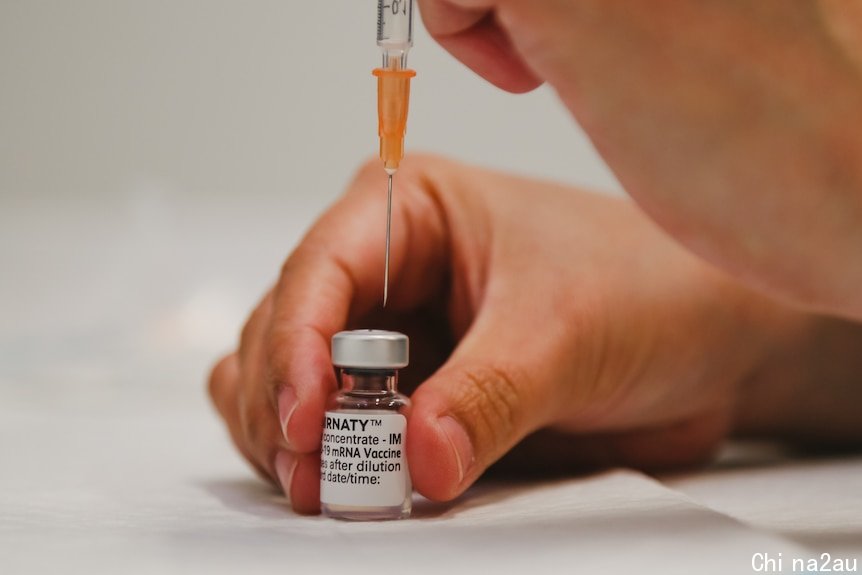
(363, 466)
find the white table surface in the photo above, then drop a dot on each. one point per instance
(141, 479)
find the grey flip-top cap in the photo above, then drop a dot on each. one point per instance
(370, 349)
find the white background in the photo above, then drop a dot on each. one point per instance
(158, 159)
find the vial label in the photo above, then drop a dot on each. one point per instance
(362, 461)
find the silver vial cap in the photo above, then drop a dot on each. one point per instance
(370, 349)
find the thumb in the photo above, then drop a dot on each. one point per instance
(470, 413)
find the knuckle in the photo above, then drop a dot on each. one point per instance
(305, 257)
(370, 169)
(294, 261)
(220, 376)
(493, 402)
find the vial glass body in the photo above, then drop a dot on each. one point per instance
(364, 473)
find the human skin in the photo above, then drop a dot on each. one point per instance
(571, 316)
(734, 124)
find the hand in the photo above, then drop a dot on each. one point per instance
(571, 312)
(733, 124)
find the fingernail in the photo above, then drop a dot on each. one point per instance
(286, 407)
(285, 465)
(460, 442)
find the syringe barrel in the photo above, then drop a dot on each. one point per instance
(394, 31)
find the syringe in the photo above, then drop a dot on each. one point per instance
(395, 37)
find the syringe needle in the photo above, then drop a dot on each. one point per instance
(388, 230)
(395, 38)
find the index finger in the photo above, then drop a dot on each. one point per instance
(336, 273)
